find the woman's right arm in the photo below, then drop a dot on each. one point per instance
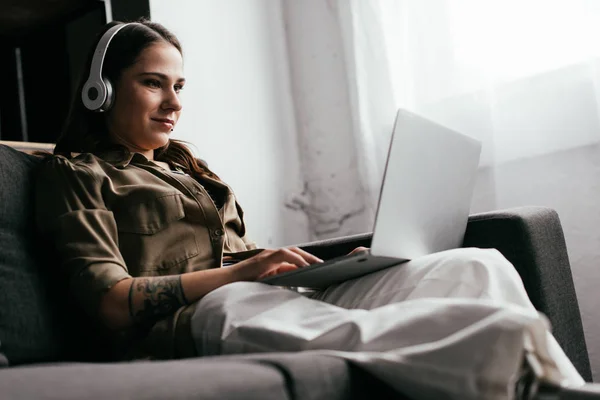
(140, 300)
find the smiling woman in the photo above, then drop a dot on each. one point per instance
(147, 107)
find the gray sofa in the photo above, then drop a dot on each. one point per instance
(45, 351)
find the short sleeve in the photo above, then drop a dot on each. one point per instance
(71, 212)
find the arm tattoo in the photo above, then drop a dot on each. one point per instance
(161, 296)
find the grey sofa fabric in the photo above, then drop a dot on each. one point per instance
(314, 376)
(145, 380)
(29, 331)
(532, 239)
(301, 376)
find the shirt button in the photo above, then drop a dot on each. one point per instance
(219, 232)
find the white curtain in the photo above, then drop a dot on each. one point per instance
(523, 76)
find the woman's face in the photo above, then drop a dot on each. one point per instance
(147, 104)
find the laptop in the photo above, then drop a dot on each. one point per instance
(423, 204)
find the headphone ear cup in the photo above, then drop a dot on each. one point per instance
(93, 95)
(110, 95)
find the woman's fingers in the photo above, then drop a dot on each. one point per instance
(310, 258)
(359, 249)
(284, 267)
(281, 268)
(273, 262)
(284, 255)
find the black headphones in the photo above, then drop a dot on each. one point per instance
(97, 93)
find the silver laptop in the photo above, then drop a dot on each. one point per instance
(423, 204)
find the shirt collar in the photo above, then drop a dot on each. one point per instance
(120, 158)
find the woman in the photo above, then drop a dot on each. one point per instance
(142, 229)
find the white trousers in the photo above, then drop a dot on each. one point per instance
(457, 322)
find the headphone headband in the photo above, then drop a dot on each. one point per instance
(97, 93)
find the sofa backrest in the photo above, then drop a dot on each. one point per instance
(29, 331)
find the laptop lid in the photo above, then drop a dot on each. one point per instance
(427, 189)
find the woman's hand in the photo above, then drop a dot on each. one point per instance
(272, 262)
(358, 250)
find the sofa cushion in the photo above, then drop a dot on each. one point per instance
(300, 376)
(313, 375)
(29, 330)
(249, 377)
(145, 380)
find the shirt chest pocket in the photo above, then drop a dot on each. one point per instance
(154, 235)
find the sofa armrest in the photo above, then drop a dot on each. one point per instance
(531, 238)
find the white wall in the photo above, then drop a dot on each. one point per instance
(238, 110)
(334, 196)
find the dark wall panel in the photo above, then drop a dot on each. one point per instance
(53, 49)
(10, 122)
(46, 81)
(130, 10)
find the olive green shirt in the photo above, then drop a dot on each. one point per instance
(112, 217)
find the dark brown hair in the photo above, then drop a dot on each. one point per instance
(85, 131)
